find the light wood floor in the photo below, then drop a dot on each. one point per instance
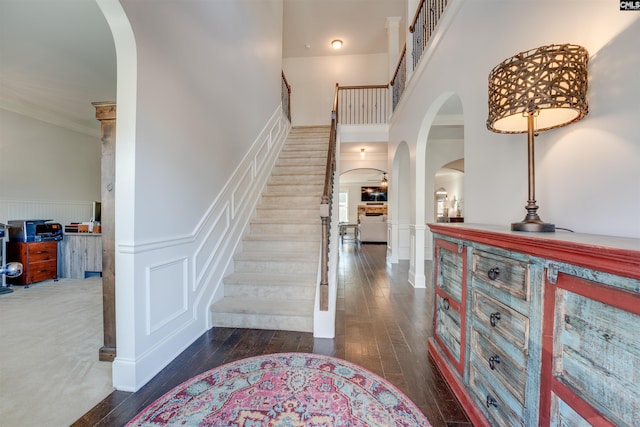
(382, 324)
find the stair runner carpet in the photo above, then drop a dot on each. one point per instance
(274, 281)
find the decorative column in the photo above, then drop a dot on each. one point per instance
(393, 43)
(416, 262)
(106, 114)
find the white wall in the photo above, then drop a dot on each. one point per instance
(313, 81)
(205, 90)
(47, 172)
(452, 181)
(579, 167)
(199, 122)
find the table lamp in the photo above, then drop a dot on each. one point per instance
(533, 91)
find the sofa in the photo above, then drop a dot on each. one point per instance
(372, 228)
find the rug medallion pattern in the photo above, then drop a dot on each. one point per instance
(286, 389)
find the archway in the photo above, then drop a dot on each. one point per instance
(126, 93)
(352, 183)
(401, 205)
(449, 192)
(440, 140)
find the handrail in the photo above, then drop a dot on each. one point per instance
(286, 96)
(325, 205)
(416, 16)
(361, 87)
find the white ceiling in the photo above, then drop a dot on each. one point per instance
(56, 57)
(362, 176)
(360, 24)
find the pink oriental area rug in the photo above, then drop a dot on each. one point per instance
(288, 390)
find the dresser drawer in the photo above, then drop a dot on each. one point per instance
(448, 327)
(503, 320)
(42, 251)
(494, 399)
(43, 270)
(450, 270)
(509, 372)
(38, 259)
(506, 274)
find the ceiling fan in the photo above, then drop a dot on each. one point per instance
(384, 182)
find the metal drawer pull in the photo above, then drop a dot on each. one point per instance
(493, 360)
(445, 304)
(493, 273)
(491, 402)
(494, 317)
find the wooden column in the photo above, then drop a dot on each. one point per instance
(106, 114)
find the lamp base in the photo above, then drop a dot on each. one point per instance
(533, 226)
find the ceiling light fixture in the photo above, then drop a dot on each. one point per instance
(385, 181)
(336, 44)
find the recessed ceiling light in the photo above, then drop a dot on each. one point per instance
(336, 44)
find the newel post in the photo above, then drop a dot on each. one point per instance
(324, 267)
(106, 114)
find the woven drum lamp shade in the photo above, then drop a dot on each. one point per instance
(549, 82)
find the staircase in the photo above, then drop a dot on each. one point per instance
(274, 283)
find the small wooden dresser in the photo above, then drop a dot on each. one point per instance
(39, 261)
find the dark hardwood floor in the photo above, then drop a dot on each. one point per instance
(382, 324)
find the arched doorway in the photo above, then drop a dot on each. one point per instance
(440, 140)
(449, 192)
(126, 93)
(354, 184)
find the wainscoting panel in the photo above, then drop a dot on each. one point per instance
(240, 194)
(166, 293)
(262, 155)
(212, 239)
(404, 242)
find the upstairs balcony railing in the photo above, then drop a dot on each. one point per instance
(370, 104)
(424, 24)
(398, 82)
(363, 105)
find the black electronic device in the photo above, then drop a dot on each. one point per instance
(34, 230)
